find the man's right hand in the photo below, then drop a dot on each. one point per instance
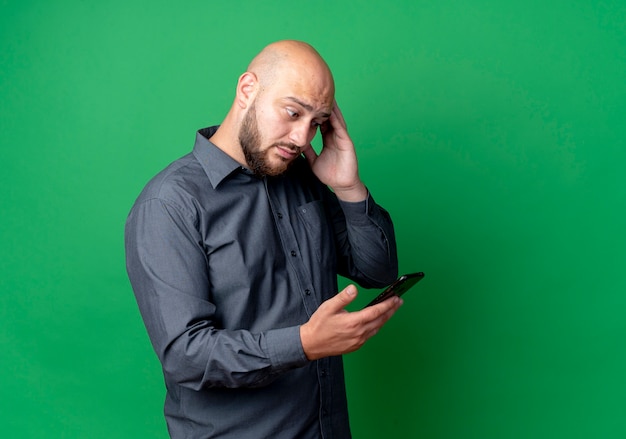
(332, 330)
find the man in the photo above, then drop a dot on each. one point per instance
(233, 253)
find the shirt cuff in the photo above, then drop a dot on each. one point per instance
(358, 212)
(285, 348)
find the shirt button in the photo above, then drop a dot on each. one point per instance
(323, 372)
(293, 253)
(279, 215)
(307, 292)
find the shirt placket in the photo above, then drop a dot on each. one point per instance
(294, 254)
(310, 297)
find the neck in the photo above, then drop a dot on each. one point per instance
(226, 138)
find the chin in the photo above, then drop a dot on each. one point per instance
(277, 170)
(278, 166)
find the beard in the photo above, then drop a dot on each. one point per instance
(256, 156)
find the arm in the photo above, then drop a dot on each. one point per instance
(366, 249)
(167, 267)
(367, 254)
(364, 231)
(366, 244)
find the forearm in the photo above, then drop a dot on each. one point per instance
(195, 352)
(168, 272)
(210, 357)
(368, 244)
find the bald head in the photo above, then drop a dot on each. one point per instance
(290, 58)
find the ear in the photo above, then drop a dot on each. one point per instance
(247, 87)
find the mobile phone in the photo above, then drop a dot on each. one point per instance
(398, 287)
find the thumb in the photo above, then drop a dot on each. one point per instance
(343, 298)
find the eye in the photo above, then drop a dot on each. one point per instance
(292, 114)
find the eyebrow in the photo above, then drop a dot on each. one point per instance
(306, 106)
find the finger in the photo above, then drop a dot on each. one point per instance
(339, 114)
(337, 125)
(373, 327)
(381, 312)
(326, 126)
(343, 298)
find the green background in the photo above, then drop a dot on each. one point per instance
(492, 131)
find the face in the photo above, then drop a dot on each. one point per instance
(279, 124)
(261, 158)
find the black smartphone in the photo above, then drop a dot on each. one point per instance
(398, 287)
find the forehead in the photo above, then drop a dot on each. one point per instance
(310, 88)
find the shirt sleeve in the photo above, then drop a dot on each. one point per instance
(366, 243)
(167, 268)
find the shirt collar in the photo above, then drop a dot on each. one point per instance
(216, 163)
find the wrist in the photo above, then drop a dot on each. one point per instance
(352, 194)
(305, 340)
(308, 345)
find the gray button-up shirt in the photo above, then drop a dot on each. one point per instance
(225, 267)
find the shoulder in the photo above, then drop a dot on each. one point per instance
(177, 184)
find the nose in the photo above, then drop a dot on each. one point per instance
(302, 134)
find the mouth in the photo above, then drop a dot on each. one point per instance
(288, 152)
